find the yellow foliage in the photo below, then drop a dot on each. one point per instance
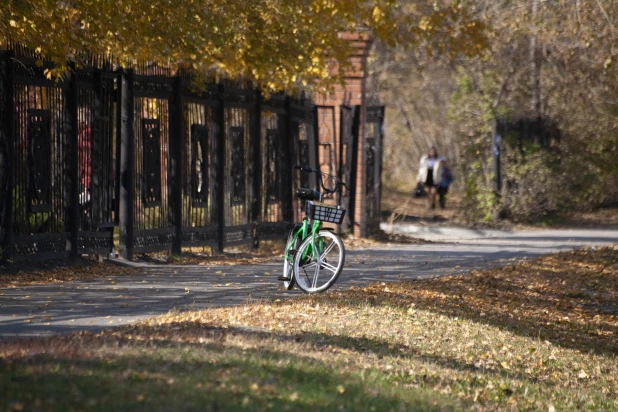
(256, 40)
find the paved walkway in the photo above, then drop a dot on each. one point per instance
(153, 290)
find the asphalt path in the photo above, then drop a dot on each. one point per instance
(156, 289)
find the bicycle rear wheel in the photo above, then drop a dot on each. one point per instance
(317, 270)
(287, 265)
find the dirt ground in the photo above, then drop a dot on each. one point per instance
(399, 206)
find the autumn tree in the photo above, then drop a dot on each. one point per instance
(278, 44)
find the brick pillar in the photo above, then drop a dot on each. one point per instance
(353, 93)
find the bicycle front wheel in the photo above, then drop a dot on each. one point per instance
(318, 265)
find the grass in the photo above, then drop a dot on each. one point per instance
(540, 335)
(219, 370)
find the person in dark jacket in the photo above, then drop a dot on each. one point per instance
(446, 178)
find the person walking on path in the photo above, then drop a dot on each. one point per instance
(446, 178)
(429, 175)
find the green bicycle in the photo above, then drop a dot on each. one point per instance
(314, 255)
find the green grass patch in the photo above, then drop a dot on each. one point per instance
(223, 372)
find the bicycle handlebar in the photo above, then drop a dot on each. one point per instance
(305, 169)
(338, 183)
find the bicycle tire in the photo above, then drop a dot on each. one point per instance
(287, 266)
(306, 261)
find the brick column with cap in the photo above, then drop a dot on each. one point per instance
(352, 93)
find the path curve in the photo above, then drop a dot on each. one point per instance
(100, 303)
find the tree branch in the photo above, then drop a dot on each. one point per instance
(609, 22)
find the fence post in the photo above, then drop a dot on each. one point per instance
(176, 154)
(72, 135)
(221, 167)
(353, 189)
(313, 144)
(378, 177)
(287, 160)
(8, 109)
(316, 138)
(255, 148)
(127, 165)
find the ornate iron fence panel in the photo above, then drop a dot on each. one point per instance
(96, 114)
(275, 169)
(239, 166)
(153, 227)
(304, 143)
(40, 193)
(327, 139)
(200, 165)
(373, 168)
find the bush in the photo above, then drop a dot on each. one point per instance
(479, 200)
(535, 185)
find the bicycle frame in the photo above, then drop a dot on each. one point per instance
(303, 232)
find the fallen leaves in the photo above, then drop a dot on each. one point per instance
(200, 257)
(40, 273)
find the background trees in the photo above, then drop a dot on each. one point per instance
(555, 60)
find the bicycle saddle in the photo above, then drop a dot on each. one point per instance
(307, 194)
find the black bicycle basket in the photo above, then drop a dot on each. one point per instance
(325, 213)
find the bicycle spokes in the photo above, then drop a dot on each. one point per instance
(323, 262)
(328, 249)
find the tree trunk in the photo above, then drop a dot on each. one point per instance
(535, 69)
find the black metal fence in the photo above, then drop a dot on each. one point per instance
(145, 154)
(143, 151)
(539, 131)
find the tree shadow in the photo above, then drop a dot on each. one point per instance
(578, 311)
(167, 374)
